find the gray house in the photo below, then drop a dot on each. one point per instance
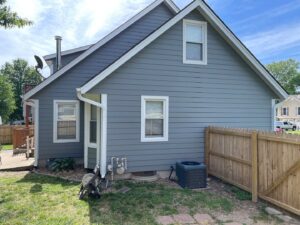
(146, 91)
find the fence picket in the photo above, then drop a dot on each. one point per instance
(264, 163)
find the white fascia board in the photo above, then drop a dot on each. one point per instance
(172, 6)
(67, 52)
(244, 52)
(94, 48)
(85, 88)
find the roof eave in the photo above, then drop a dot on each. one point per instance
(67, 52)
(96, 46)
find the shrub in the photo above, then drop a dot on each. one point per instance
(62, 164)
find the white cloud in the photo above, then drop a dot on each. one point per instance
(274, 41)
(30, 9)
(83, 22)
(79, 22)
(272, 13)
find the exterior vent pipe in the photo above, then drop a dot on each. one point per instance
(58, 52)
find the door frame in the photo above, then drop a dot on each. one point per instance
(87, 143)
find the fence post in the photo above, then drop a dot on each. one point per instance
(254, 165)
(207, 147)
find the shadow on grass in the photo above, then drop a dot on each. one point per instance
(38, 181)
(44, 179)
(36, 188)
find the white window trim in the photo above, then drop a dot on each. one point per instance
(203, 25)
(55, 115)
(165, 100)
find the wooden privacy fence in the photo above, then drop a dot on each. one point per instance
(264, 163)
(20, 135)
(6, 133)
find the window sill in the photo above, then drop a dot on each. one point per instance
(160, 139)
(66, 141)
(194, 62)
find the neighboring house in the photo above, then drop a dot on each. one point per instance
(148, 90)
(289, 109)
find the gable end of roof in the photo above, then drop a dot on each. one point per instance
(219, 25)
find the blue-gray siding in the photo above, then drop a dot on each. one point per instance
(225, 92)
(65, 59)
(65, 86)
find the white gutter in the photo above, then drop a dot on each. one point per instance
(81, 98)
(103, 145)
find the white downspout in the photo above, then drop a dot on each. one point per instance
(103, 106)
(103, 134)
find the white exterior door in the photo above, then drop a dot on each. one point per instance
(91, 136)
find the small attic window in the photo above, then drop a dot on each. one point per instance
(194, 42)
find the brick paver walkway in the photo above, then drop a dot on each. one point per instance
(199, 219)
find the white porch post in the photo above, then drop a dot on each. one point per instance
(36, 131)
(35, 104)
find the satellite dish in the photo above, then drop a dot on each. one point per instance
(39, 62)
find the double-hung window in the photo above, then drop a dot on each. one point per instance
(194, 42)
(155, 113)
(285, 111)
(66, 121)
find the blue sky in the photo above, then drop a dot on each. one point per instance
(270, 29)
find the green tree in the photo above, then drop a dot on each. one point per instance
(7, 101)
(20, 73)
(9, 19)
(286, 72)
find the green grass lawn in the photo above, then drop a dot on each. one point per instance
(37, 199)
(7, 147)
(294, 132)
